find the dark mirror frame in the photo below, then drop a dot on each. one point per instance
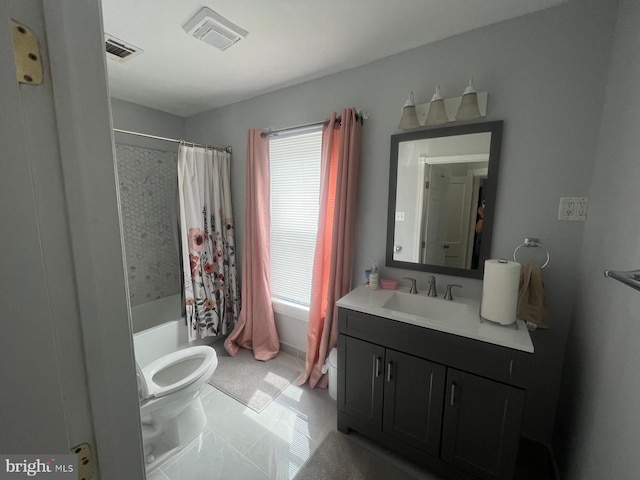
(489, 192)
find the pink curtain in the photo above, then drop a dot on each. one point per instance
(256, 328)
(341, 144)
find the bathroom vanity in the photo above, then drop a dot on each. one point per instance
(426, 378)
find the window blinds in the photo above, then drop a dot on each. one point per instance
(295, 192)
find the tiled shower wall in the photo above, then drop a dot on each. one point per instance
(148, 181)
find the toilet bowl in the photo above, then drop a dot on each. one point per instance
(170, 406)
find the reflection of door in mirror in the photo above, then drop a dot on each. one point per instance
(448, 227)
(435, 220)
(458, 214)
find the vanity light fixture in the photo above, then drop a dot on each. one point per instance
(409, 118)
(437, 113)
(469, 109)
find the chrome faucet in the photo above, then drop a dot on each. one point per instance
(447, 295)
(432, 287)
(413, 288)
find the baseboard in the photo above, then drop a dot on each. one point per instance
(293, 351)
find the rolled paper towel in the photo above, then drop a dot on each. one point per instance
(500, 291)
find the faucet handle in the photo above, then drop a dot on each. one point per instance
(431, 280)
(413, 288)
(447, 295)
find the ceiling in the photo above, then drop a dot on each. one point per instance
(289, 42)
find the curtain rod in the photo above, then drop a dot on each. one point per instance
(174, 140)
(296, 128)
(307, 126)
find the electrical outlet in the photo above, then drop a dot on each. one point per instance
(573, 209)
(399, 216)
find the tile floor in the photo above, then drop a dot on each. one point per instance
(241, 444)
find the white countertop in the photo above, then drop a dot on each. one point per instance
(465, 322)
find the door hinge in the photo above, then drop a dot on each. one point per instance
(426, 185)
(26, 54)
(85, 462)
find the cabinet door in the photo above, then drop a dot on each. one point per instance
(481, 429)
(363, 381)
(413, 393)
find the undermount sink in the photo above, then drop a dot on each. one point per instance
(425, 307)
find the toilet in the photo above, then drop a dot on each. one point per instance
(170, 406)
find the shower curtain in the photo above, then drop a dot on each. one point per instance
(211, 296)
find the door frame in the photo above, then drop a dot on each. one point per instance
(75, 39)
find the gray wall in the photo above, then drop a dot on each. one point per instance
(137, 118)
(599, 413)
(545, 73)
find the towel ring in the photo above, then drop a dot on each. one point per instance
(531, 242)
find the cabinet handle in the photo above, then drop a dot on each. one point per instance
(374, 365)
(453, 393)
(389, 367)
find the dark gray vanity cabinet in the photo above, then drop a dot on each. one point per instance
(481, 425)
(362, 397)
(399, 394)
(413, 400)
(450, 403)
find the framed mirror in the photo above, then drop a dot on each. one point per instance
(442, 191)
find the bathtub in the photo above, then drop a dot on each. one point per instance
(156, 312)
(160, 340)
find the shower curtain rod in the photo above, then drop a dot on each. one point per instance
(174, 140)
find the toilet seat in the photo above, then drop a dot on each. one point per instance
(175, 371)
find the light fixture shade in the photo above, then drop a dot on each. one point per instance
(469, 109)
(409, 118)
(437, 114)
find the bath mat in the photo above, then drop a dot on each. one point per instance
(340, 458)
(253, 383)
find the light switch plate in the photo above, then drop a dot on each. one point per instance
(573, 209)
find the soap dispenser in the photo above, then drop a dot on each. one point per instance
(373, 277)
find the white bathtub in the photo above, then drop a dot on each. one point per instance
(157, 312)
(158, 341)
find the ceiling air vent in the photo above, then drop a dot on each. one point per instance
(214, 29)
(118, 50)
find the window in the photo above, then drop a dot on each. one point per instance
(295, 194)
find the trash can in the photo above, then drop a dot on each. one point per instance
(333, 373)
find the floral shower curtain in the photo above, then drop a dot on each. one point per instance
(211, 296)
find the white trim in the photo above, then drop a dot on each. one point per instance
(290, 309)
(459, 158)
